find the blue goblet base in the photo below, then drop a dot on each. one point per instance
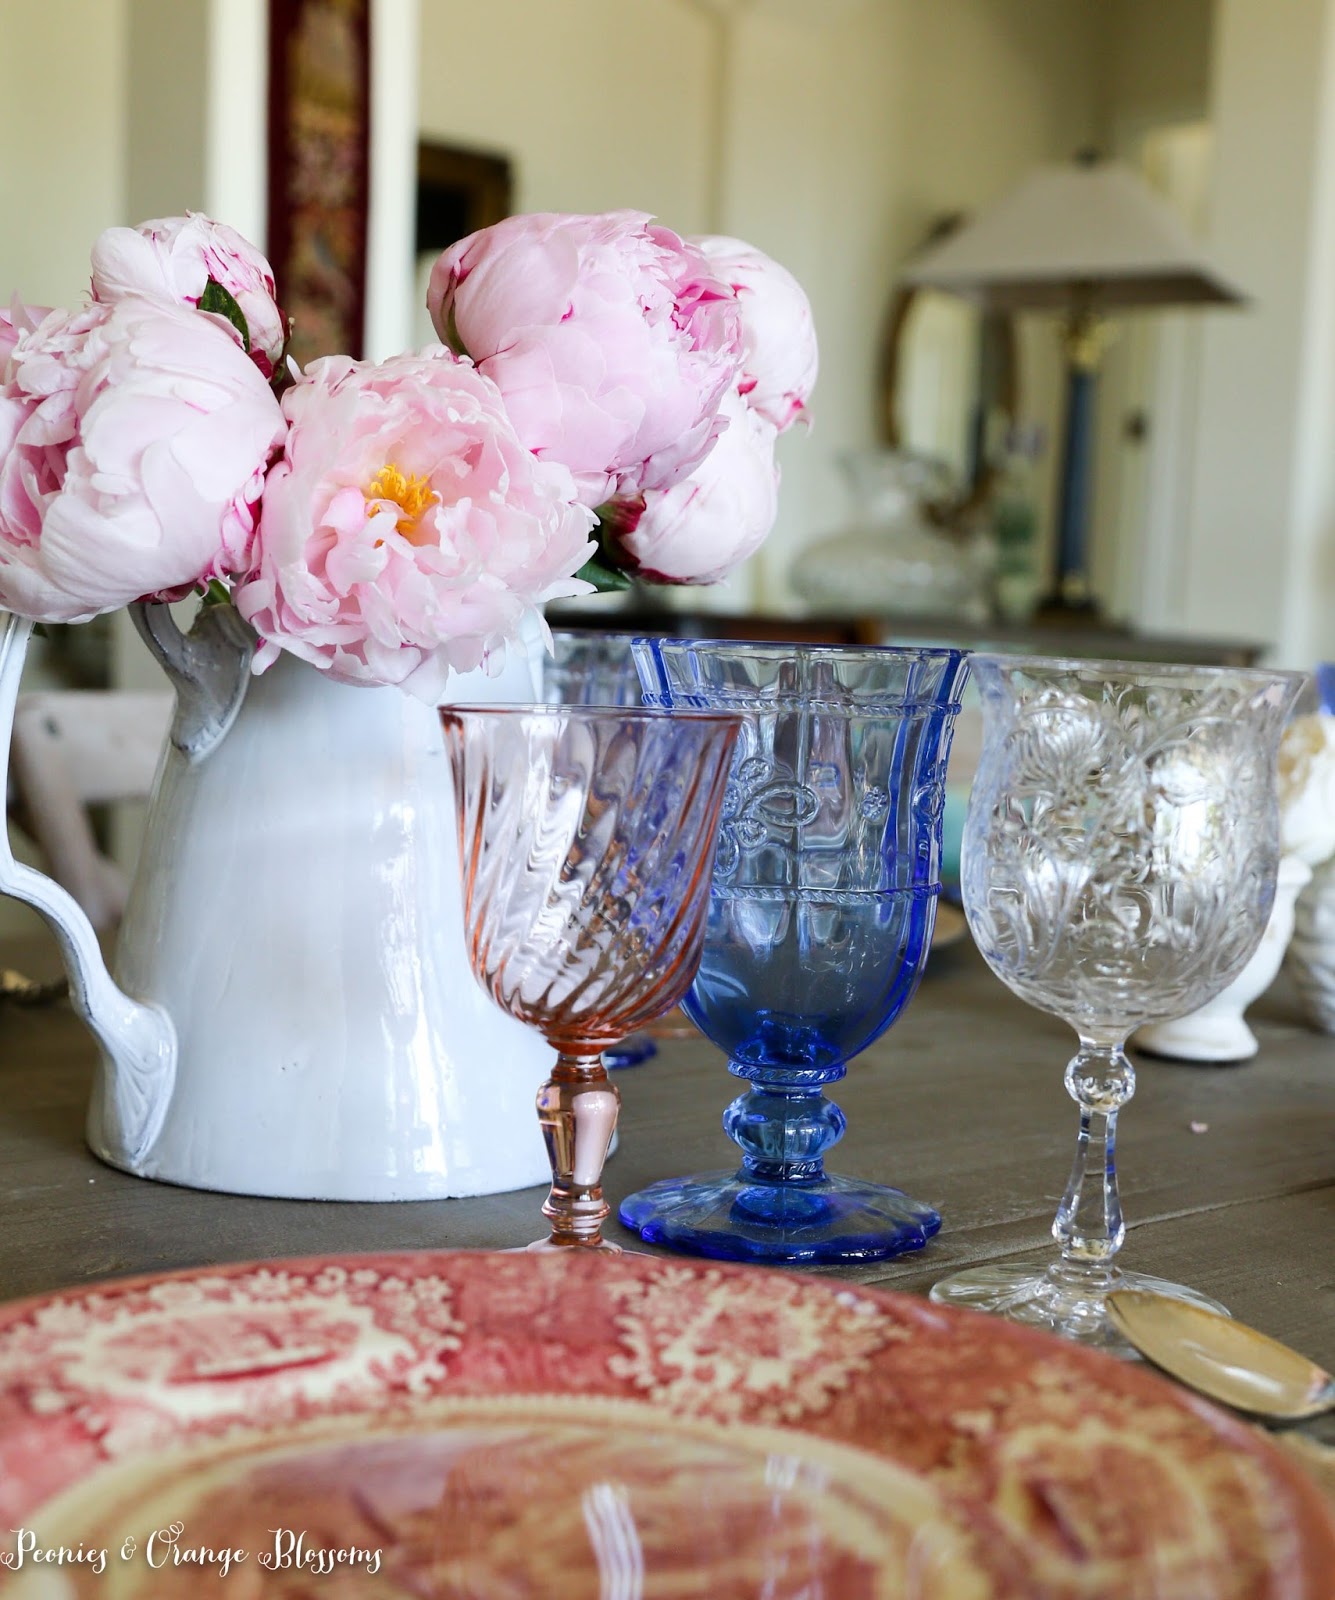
(733, 1216)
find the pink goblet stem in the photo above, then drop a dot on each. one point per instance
(578, 1108)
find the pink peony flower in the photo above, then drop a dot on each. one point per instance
(611, 340)
(174, 258)
(779, 358)
(15, 322)
(407, 530)
(133, 443)
(701, 528)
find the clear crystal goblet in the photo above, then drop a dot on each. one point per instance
(592, 668)
(1119, 864)
(820, 920)
(586, 840)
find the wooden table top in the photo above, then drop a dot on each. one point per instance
(961, 1104)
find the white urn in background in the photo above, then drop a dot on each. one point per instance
(1311, 960)
(1218, 1032)
(1307, 783)
(1301, 922)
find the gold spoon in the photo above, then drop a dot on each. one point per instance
(1224, 1359)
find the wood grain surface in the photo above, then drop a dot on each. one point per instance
(961, 1104)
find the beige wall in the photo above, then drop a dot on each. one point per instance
(1155, 96)
(1260, 542)
(600, 103)
(1155, 66)
(62, 141)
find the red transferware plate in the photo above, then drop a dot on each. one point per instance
(500, 1426)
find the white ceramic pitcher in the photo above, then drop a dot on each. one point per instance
(292, 1011)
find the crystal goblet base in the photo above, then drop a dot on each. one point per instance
(1059, 1298)
(1069, 1296)
(781, 1205)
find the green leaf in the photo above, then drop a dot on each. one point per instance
(216, 298)
(607, 580)
(217, 594)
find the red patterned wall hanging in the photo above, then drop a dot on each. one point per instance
(319, 147)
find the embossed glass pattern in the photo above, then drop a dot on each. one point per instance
(1119, 867)
(586, 838)
(821, 915)
(589, 668)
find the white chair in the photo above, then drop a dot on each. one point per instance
(73, 749)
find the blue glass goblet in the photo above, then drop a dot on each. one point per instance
(821, 913)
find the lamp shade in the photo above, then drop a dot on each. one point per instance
(1091, 234)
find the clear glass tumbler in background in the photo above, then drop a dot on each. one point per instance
(1119, 866)
(587, 667)
(586, 838)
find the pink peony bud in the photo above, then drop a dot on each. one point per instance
(611, 340)
(701, 528)
(133, 443)
(175, 257)
(779, 358)
(407, 530)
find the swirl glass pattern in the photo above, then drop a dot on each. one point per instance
(590, 668)
(586, 839)
(820, 919)
(1119, 866)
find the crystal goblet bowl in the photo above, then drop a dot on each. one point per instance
(820, 919)
(1119, 864)
(586, 839)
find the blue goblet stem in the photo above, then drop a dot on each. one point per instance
(783, 1124)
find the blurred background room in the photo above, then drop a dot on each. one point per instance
(853, 140)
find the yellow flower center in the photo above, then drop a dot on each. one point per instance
(412, 495)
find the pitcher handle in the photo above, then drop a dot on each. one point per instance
(209, 668)
(138, 1039)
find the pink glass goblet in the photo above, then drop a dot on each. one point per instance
(586, 840)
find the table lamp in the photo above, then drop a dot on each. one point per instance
(1085, 239)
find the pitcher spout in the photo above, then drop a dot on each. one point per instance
(138, 1040)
